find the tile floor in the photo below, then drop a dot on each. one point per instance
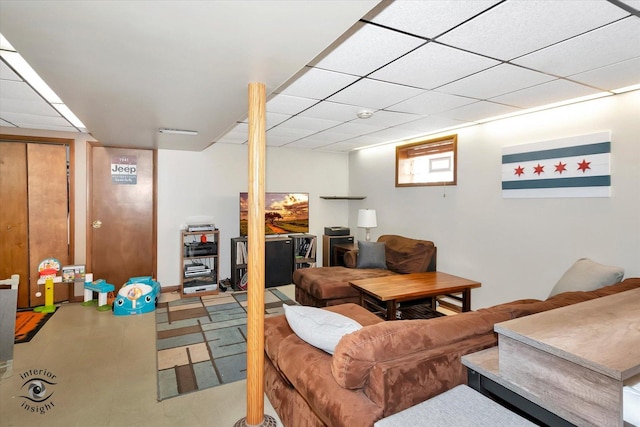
(102, 371)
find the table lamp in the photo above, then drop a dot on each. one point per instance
(367, 220)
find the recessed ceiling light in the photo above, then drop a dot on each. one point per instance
(178, 131)
(364, 114)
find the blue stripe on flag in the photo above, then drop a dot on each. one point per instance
(579, 150)
(592, 181)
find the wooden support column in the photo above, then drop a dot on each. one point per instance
(255, 268)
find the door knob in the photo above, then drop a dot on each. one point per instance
(96, 224)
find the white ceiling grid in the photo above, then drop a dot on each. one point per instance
(423, 66)
(419, 66)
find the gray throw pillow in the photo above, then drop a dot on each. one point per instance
(371, 255)
(587, 275)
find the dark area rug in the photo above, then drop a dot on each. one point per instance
(28, 323)
(202, 342)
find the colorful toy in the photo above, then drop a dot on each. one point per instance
(102, 288)
(48, 269)
(139, 295)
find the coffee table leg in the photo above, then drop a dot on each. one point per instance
(466, 300)
(391, 310)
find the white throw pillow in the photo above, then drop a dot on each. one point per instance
(631, 400)
(587, 275)
(320, 328)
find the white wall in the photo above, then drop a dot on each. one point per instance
(208, 183)
(517, 248)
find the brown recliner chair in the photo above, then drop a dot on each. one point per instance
(325, 286)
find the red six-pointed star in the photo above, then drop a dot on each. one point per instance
(519, 170)
(538, 169)
(584, 165)
(561, 167)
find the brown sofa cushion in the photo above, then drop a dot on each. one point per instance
(358, 352)
(405, 255)
(333, 282)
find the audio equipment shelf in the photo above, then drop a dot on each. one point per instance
(199, 263)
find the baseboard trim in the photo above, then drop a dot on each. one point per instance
(169, 289)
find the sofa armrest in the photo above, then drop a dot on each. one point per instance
(351, 258)
(357, 353)
(395, 385)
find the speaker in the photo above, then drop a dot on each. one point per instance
(328, 242)
(278, 260)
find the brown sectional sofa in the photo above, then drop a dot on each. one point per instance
(386, 366)
(326, 286)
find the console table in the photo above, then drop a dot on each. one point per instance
(571, 361)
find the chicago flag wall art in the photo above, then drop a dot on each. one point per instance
(579, 166)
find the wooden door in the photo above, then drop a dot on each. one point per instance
(14, 249)
(48, 215)
(35, 214)
(121, 222)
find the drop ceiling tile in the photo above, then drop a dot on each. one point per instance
(495, 81)
(374, 94)
(348, 145)
(41, 126)
(11, 89)
(311, 124)
(36, 107)
(355, 129)
(332, 111)
(392, 135)
(291, 105)
(384, 119)
(431, 103)
(431, 66)
(605, 46)
(615, 76)
(309, 142)
(367, 49)
(515, 28)
(479, 111)
(6, 73)
(329, 136)
(237, 135)
(317, 84)
(429, 18)
(432, 123)
(30, 120)
(274, 119)
(546, 93)
(278, 141)
(6, 123)
(292, 134)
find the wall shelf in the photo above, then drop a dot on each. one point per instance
(343, 197)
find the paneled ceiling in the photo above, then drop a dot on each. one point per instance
(128, 68)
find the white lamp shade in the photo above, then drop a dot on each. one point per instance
(367, 218)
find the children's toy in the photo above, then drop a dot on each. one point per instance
(139, 295)
(102, 288)
(48, 269)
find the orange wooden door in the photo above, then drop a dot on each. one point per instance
(121, 229)
(48, 214)
(14, 221)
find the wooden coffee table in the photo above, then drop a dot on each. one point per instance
(391, 290)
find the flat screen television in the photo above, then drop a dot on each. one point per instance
(284, 213)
